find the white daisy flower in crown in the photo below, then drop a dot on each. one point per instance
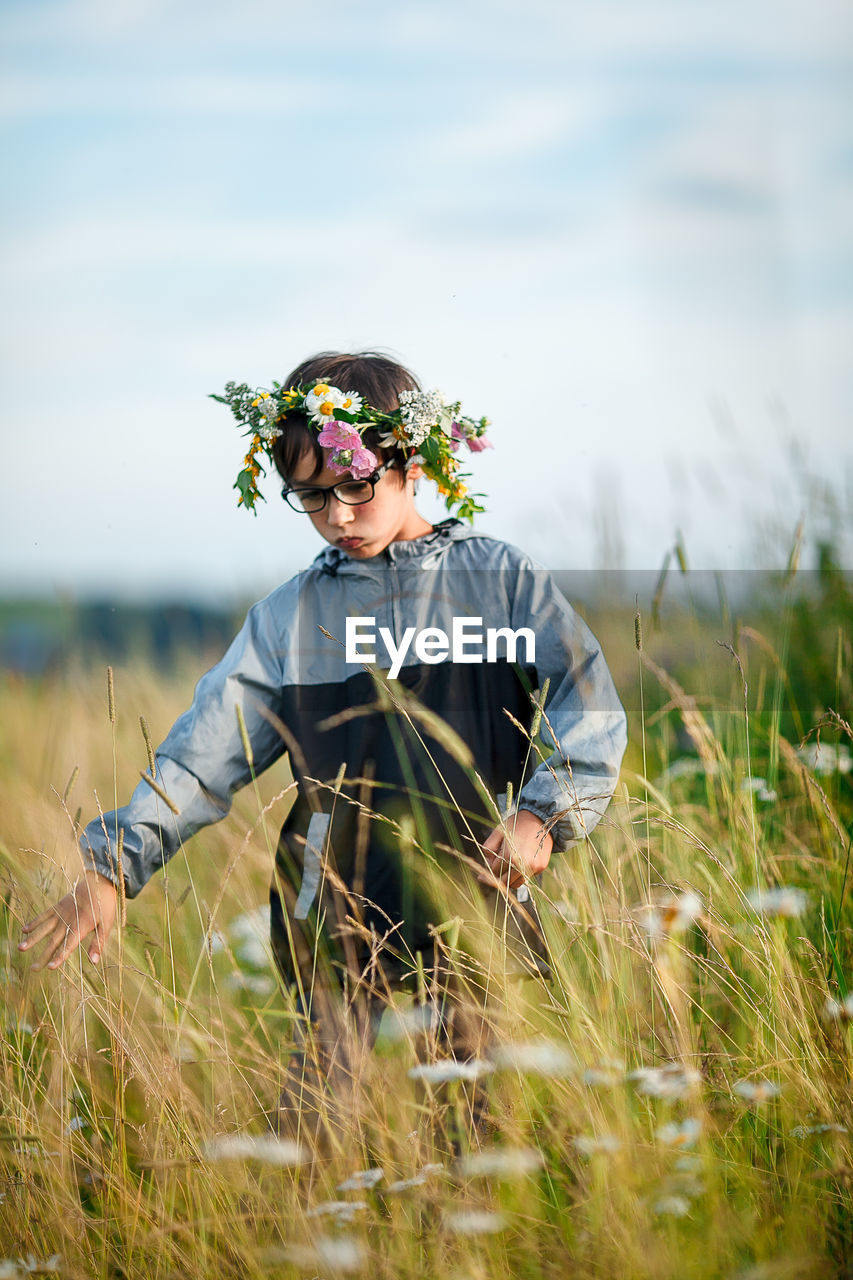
(351, 401)
(322, 401)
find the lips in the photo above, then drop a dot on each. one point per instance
(349, 543)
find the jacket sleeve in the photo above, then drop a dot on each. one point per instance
(583, 721)
(202, 762)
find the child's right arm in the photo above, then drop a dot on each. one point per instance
(200, 765)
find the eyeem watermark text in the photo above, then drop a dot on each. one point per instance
(431, 645)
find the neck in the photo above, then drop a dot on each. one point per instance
(416, 527)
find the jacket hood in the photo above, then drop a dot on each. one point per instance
(426, 551)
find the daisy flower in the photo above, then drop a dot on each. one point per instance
(681, 1135)
(351, 402)
(757, 1091)
(838, 1010)
(322, 402)
(674, 915)
(450, 1069)
(670, 1081)
(784, 901)
(603, 1144)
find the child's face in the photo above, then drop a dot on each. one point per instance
(367, 529)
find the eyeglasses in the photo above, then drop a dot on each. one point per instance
(308, 499)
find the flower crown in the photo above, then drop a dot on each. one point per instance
(423, 428)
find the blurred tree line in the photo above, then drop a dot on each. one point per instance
(37, 637)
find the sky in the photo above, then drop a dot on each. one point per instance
(622, 230)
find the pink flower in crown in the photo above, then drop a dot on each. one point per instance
(348, 451)
(475, 443)
(339, 435)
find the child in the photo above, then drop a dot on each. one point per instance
(399, 776)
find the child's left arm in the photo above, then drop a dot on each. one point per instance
(583, 722)
(523, 851)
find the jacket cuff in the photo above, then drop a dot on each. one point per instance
(103, 861)
(563, 825)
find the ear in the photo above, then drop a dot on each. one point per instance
(415, 472)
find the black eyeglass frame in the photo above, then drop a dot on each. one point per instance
(326, 489)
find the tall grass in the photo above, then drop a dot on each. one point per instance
(672, 1100)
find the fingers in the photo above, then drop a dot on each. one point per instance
(96, 946)
(500, 870)
(37, 929)
(493, 842)
(60, 942)
(65, 945)
(62, 928)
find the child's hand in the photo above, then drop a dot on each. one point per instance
(520, 851)
(89, 907)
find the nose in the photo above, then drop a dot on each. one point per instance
(338, 514)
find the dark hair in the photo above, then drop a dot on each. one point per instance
(377, 379)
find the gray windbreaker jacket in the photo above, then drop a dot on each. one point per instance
(403, 770)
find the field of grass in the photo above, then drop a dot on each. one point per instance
(673, 1101)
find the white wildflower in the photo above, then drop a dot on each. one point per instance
(259, 984)
(671, 1081)
(250, 934)
(363, 1180)
(450, 1069)
(269, 431)
(502, 1162)
(759, 788)
(244, 1146)
(688, 1164)
(351, 402)
(606, 1144)
(419, 1179)
(568, 911)
(689, 1186)
(75, 1124)
(607, 1074)
(674, 1206)
(806, 1131)
(690, 767)
(757, 1091)
(12, 1269)
(337, 1253)
(402, 1024)
(784, 901)
(838, 1010)
(826, 757)
(322, 402)
(673, 915)
(681, 1135)
(420, 411)
(537, 1057)
(476, 1222)
(341, 1210)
